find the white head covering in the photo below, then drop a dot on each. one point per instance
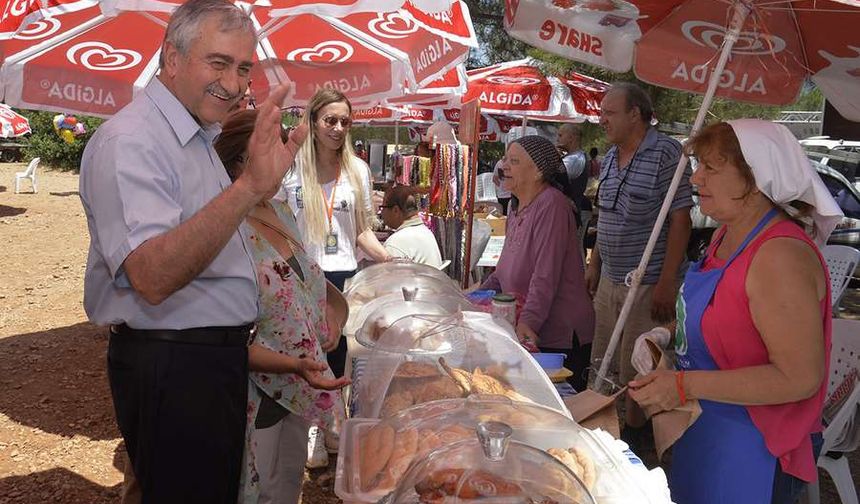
(440, 132)
(784, 174)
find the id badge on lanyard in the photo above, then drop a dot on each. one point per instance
(331, 240)
(331, 243)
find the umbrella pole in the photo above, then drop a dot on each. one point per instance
(634, 278)
(397, 133)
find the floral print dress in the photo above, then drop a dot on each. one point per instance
(292, 314)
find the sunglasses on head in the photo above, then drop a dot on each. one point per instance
(331, 121)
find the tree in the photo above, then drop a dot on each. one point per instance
(45, 143)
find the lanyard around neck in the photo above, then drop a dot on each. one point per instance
(330, 203)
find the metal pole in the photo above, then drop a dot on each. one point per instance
(634, 278)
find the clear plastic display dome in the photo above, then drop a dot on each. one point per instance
(396, 269)
(421, 358)
(371, 320)
(407, 456)
(363, 292)
(490, 468)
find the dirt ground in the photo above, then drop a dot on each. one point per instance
(58, 438)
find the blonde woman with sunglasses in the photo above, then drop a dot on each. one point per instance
(329, 191)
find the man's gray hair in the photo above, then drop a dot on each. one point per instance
(184, 26)
(635, 96)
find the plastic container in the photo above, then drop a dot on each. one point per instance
(395, 270)
(481, 297)
(375, 317)
(401, 285)
(550, 361)
(491, 468)
(421, 358)
(392, 457)
(505, 308)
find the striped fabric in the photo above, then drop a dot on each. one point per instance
(629, 201)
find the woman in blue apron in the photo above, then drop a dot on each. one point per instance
(751, 340)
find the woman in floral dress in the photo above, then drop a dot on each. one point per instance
(290, 386)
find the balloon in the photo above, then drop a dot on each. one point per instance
(79, 129)
(58, 120)
(68, 136)
(71, 121)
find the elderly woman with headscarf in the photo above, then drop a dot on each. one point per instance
(753, 337)
(541, 258)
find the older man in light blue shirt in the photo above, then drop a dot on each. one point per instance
(133, 192)
(167, 266)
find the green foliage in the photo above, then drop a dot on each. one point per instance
(45, 143)
(495, 46)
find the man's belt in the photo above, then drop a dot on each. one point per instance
(211, 336)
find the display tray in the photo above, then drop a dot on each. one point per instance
(354, 481)
(421, 358)
(559, 375)
(376, 454)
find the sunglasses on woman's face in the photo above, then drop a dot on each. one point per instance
(331, 121)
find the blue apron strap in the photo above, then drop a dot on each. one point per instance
(761, 224)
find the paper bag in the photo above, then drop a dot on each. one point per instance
(669, 426)
(593, 410)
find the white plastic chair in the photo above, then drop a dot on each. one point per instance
(29, 173)
(841, 263)
(841, 435)
(485, 190)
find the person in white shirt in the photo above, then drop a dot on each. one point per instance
(328, 190)
(502, 195)
(412, 239)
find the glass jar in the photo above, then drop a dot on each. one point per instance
(504, 307)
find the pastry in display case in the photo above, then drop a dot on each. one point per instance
(421, 358)
(422, 289)
(381, 313)
(414, 457)
(489, 467)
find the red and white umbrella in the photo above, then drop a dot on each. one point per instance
(776, 44)
(381, 115)
(20, 13)
(12, 124)
(490, 131)
(751, 50)
(342, 8)
(82, 61)
(290, 8)
(367, 56)
(445, 90)
(88, 62)
(521, 89)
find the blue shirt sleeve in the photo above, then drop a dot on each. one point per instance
(671, 154)
(131, 194)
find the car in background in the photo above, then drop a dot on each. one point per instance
(828, 143)
(841, 155)
(845, 193)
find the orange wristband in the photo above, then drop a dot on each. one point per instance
(679, 384)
